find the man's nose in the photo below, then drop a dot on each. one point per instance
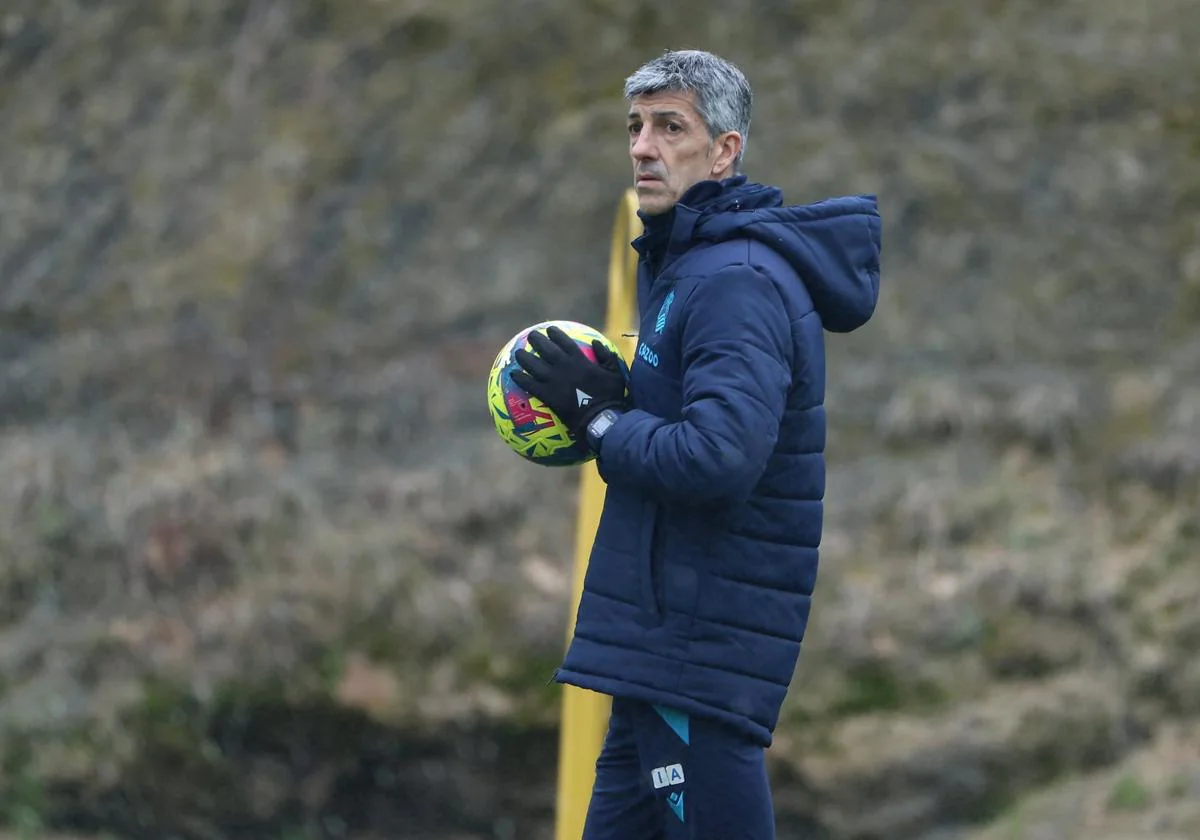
(643, 148)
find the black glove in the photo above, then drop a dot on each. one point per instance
(574, 387)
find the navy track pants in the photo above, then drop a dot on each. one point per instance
(664, 776)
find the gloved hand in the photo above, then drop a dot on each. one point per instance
(574, 387)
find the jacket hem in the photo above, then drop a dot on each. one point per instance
(755, 732)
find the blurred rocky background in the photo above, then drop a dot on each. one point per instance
(267, 572)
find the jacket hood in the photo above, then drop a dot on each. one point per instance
(834, 245)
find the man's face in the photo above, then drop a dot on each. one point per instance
(671, 149)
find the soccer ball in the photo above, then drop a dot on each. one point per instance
(523, 421)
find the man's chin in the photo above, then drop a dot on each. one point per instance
(653, 202)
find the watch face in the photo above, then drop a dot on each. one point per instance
(601, 423)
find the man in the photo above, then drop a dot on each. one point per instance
(698, 588)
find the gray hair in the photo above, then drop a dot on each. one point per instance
(723, 95)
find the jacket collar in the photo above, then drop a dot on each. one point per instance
(669, 234)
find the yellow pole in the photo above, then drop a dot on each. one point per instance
(584, 717)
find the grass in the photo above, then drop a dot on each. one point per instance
(874, 687)
(1130, 793)
(23, 799)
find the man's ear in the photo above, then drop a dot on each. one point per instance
(727, 147)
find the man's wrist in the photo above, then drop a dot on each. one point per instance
(599, 425)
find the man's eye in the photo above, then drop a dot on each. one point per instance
(674, 128)
(635, 129)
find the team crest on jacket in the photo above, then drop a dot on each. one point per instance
(660, 323)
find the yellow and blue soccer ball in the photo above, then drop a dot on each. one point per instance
(523, 421)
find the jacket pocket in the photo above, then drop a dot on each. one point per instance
(652, 556)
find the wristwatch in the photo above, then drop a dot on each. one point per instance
(598, 426)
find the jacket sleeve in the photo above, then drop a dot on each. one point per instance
(736, 366)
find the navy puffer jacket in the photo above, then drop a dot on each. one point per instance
(699, 584)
